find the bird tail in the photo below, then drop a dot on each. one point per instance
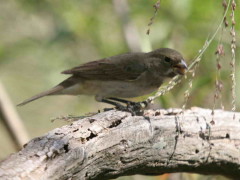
(45, 93)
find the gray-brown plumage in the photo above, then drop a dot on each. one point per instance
(122, 76)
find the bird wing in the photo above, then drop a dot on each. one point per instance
(109, 69)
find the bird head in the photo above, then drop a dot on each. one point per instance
(170, 61)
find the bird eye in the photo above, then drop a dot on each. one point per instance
(167, 59)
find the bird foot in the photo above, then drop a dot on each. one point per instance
(136, 109)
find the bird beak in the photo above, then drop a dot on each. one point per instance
(180, 68)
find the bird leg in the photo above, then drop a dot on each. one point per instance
(121, 107)
(122, 100)
(134, 107)
(141, 105)
(116, 104)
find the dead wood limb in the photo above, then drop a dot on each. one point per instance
(114, 143)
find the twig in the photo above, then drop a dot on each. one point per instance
(233, 49)
(12, 120)
(156, 6)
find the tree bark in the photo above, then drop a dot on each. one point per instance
(115, 143)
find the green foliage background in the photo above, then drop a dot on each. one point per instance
(39, 39)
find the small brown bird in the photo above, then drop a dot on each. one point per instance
(123, 76)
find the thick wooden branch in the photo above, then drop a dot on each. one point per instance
(114, 143)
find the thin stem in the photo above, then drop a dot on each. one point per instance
(196, 60)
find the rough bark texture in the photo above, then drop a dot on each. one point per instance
(114, 143)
